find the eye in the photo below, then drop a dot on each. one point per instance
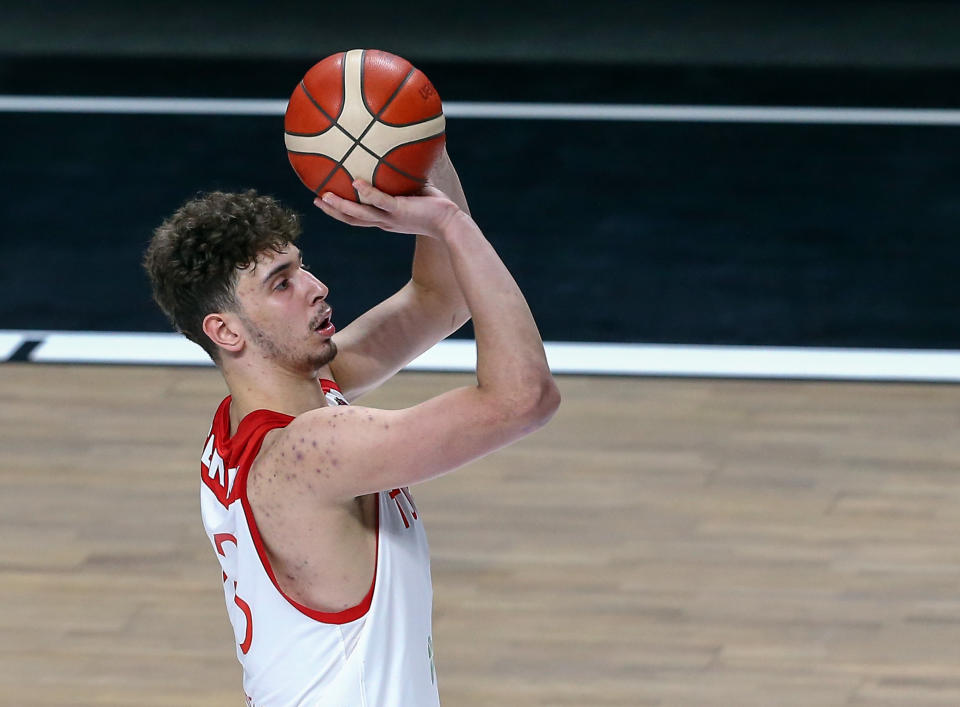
(283, 284)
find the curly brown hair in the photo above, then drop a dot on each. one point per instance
(194, 257)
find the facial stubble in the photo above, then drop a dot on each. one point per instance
(316, 358)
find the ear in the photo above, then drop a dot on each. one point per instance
(224, 330)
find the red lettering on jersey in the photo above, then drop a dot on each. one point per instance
(413, 508)
(219, 539)
(215, 473)
(245, 608)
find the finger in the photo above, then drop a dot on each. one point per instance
(335, 213)
(364, 212)
(369, 194)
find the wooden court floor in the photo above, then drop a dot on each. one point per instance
(661, 542)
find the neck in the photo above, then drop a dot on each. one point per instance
(270, 387)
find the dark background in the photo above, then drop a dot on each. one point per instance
(817, 235)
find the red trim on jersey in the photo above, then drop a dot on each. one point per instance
(336, 617)
(250, 440)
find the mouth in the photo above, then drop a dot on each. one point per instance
(325, 326)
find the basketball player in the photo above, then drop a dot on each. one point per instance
(305, 498)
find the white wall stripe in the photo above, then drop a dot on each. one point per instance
(9, 342)
(704, 114)
(119, 347)
(564, 357)
(476, 109)
(756, 362)
(142, 106)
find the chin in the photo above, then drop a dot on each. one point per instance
(325, 355)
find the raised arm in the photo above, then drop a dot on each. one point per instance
(362, 450)
(424, 311)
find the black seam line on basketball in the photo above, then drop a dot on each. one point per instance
(309, 154)
(339, 165)
(333, 171)
(343, 87)
(23, 351)
(363, 98)
(322, 132)
(377, 116)
(419, 122)
(356, 140)
(327, 115)
(381, 162)
(392, 95)
(395, 147)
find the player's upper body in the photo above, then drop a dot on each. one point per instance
(306, 499)
(376, 652)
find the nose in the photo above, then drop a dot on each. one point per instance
(318, 291)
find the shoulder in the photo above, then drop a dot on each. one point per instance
(326, 453)
(305, 453)
(291, 443)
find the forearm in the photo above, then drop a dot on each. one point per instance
(510, 355)
(444, 177)
(512, 372)
(431, 263)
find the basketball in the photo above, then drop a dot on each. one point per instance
(364, 114)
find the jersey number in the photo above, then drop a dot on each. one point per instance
(220, 539)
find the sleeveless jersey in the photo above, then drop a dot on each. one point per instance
(376, 654)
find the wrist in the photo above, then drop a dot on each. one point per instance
(455, 223)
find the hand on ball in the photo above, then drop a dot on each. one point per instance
(427, 213)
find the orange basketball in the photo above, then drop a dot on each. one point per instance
(364, 114)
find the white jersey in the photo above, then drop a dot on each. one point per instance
(376, 654)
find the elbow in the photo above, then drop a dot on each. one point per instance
(521, 408)
(549, 400)
(540, 404)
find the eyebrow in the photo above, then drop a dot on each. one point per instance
(280, 268)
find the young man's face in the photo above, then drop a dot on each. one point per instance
(284, 311)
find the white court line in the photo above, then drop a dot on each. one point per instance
(564, 357)
(476, 109)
